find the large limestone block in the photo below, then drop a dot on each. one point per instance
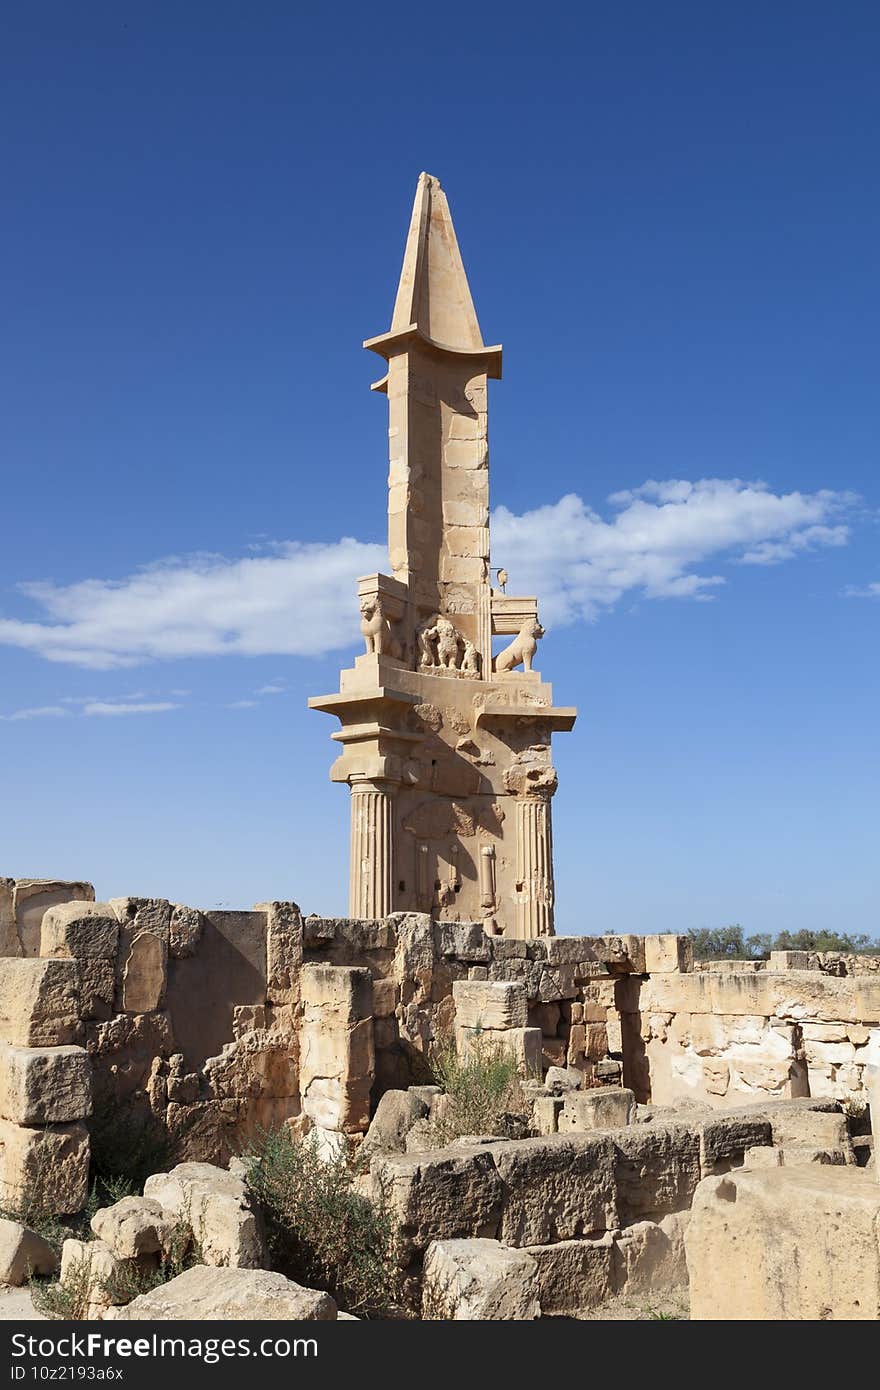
(337, 1050)
(725, 1139)
(479, 1280)
(50, 1165)
(208, 1294)
(31, 899)
(84, 930)
(557, 1187)
(785, 1244)
(44, 1085)
(666, 954)
(603, 1107)
(23, 1253)
(217, 1207)
(39, 1002)
(440, 1195)
(490, 1004)
(650, 1255)
(812, 1129)
(395, 1116)
(574, 1275)
(656, 1171)
(133, 1227)
(284, 951)
(522, 1044)
(338, 994)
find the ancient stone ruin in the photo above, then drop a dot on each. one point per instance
(680, 1134)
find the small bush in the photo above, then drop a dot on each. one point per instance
(321, 1231)
(484, 1093)
(68, 1301)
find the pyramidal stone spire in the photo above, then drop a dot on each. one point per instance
(433, 295)
(445, 747)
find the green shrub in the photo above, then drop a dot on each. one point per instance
(321, 1231)
(483, 1092)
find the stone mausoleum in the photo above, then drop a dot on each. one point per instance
(445, 746)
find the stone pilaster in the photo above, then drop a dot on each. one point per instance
(534, 868)
(371, 854)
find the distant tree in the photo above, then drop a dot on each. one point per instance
(720, 943)
(731, 943)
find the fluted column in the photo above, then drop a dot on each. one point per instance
(371, 843)
(534, 873)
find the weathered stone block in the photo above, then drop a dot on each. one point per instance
(522, 1044)
(656, 1171)
(479, 1280)
(555, 1188)
(395, 1116)
(573, 1275)
(605, 1107)
(144, 973)
(31, 899)
(489, 1004)
(667, 953)
(83, 930)
(44, 1085)
(23, 1253)
(785, 1245)
(39, 1002)
(50, 1165)
(133, 1227)
(216, 1205)
(440, 1195)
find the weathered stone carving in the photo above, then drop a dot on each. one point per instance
(442, 647)
(376, 629)
(522, 649)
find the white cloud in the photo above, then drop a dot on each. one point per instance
(38, 712)
(104, 707)
(862, 591)
(243, 704)
(655, 546)
(298, 599)
(276, 688)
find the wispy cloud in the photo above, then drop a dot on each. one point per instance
(661, 540)
(37, 712)
(276, 688)
(862, 591)
(243, 704)
(107, 708)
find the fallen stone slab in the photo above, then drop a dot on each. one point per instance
(23, 1253)
(479, 1280)
(208, 1293)
(603, 1107)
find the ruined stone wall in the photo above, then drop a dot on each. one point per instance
(203, 1027)
(734, 1031)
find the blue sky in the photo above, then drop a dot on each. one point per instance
(669, 216)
